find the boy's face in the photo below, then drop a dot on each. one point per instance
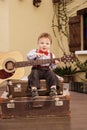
(44, 44)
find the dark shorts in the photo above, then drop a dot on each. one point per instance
(42, 73)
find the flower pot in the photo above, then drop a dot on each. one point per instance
(68, 78)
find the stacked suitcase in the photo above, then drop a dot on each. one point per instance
(21, 104)
(80, 87)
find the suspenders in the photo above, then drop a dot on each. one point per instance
(51, 57)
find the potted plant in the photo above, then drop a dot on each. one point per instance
(67, 72)
(82, 66)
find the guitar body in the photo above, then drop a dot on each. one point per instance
(6, 57)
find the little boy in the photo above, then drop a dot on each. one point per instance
(43, 71)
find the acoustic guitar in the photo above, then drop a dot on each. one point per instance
(12, 64)
(6, 60)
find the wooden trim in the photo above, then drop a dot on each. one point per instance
(55, 1)
(82, 32)
(82, 11)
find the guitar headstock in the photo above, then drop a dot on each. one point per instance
(69, 58)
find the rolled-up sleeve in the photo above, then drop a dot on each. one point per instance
(31, 54)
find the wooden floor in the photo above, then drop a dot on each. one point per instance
(77, 121)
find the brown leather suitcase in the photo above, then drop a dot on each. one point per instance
(19, 88)
(79, 87)
(42, 106)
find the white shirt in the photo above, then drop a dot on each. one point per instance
(32, 55)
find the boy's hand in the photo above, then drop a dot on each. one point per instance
(56, 62)
(39, 54)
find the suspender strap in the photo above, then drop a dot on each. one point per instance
(51, 56)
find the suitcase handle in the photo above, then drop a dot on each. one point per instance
(37, 106)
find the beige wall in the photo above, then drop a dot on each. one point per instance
(27, 22)
(21, 23)
(4, 26)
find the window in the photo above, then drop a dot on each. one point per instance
(78, 31)
(74, 33)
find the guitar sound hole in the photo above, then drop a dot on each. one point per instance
(9, 65)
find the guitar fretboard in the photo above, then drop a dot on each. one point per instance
(34, 62)
(42, 61)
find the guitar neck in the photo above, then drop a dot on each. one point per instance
(34, 62)
(65, 58)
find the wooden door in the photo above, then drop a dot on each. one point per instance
(74, 33)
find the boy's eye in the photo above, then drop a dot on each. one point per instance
(42, 42)
(47, 43)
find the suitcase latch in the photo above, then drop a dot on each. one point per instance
(11, 104)
(58, 102)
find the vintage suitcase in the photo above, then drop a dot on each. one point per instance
(85, 88)
(19, 88)
(79, 87)
(42, 106)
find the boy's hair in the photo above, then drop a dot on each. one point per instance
(46, 35)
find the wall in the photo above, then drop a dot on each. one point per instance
(27, 22)
(4, 26)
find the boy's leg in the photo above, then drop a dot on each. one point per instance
(33, 82)
(33, 78)
(52, 83)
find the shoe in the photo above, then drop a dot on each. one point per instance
(53, 92)
(34, 93)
